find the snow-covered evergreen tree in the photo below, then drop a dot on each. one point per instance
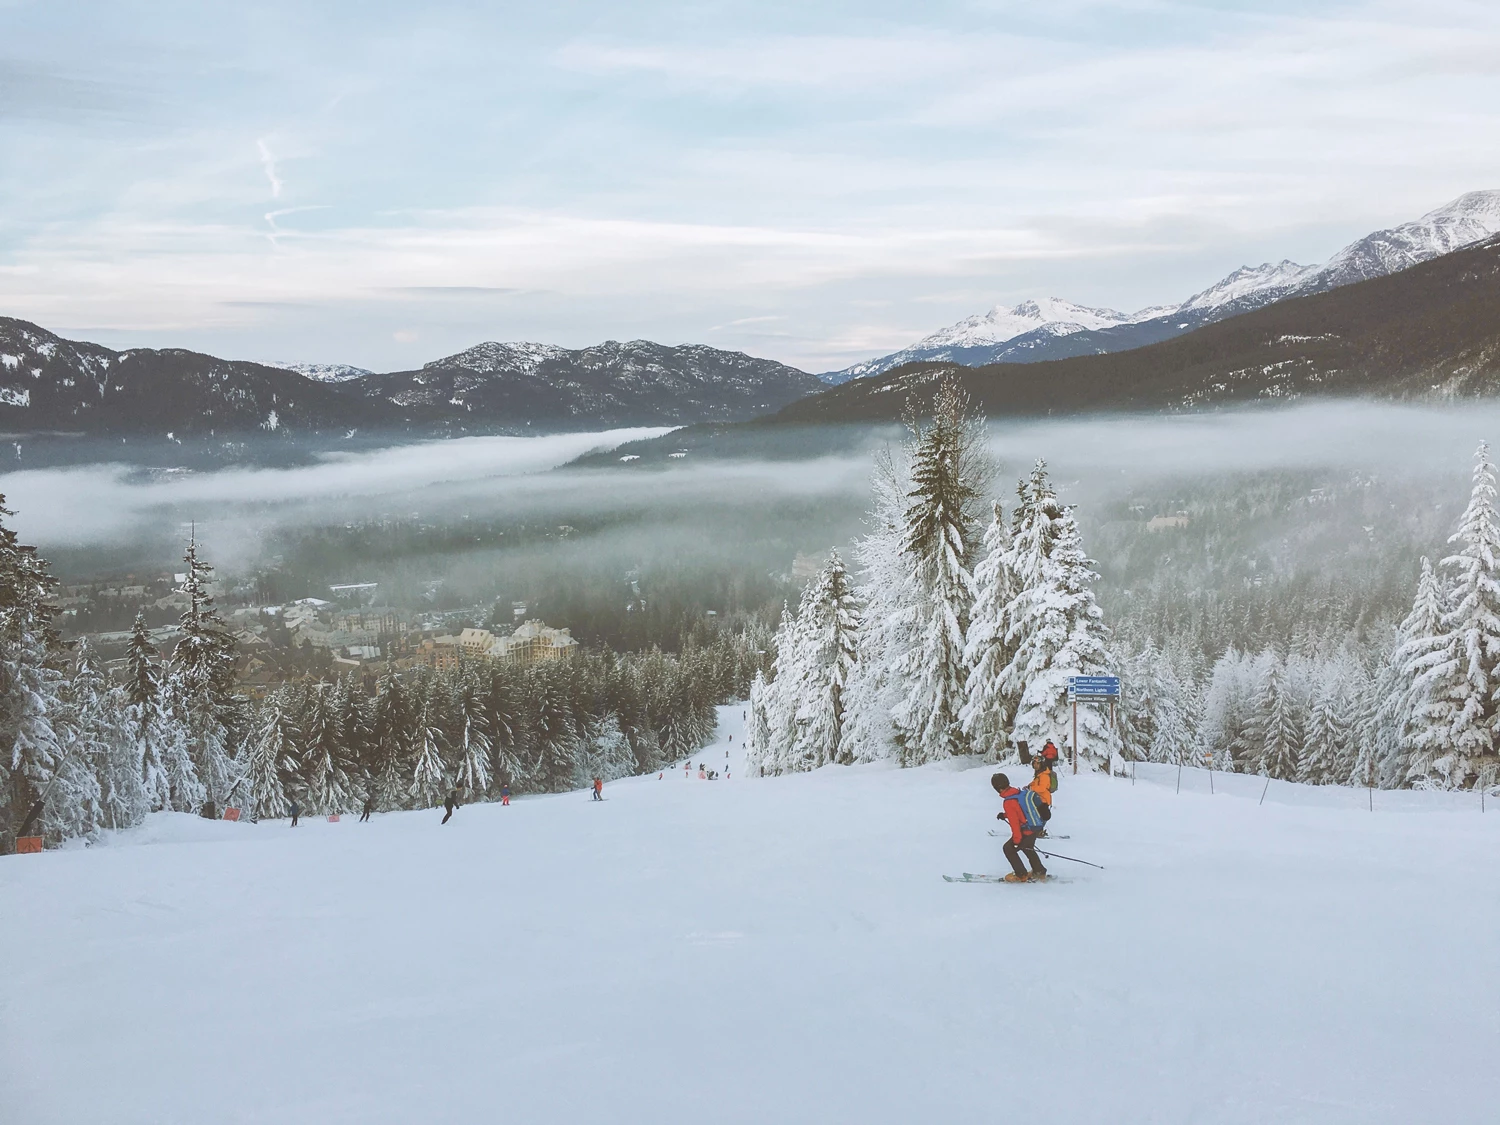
(1281, 741)
(429, 776)
(32, 763)
(273, 759)
(202, 681)
(890, 596)
(828, 628)
(1460, 689)
(100, 736)
(143, 695)
(988, 650)
(948, 467)
(472, 744)
(325, 768)
(1061, 633)
(391, 742)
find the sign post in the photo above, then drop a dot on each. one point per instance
(1088, 688)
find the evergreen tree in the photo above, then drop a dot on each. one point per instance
(473, 736)
(1280, 738)
(1461, 688)
(325, 775)
(988, 706)
(429, 777)
(829, 627)
(890, 597)
(948, 468)
(203, 680)
(1061, 634)
(143, 694)
(32, 761)
(273, 759)
(391, 731)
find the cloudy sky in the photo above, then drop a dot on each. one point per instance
(383, 182)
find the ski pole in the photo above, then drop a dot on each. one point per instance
(1070, 859)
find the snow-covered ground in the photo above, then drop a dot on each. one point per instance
(778, 950)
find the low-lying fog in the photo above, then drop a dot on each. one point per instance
(498, 516)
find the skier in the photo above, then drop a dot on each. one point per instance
(1044, 777)
(702, 773)
(598, 789)
(296, 810)
(1020, 811)
(450, 802)
(505, 794)
(369, 808)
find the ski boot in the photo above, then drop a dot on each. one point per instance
(1038, 877)
(1014, 878)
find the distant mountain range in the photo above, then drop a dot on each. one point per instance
(1427, 332)
(49, 385)
(1052, 328)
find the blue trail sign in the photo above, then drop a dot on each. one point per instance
(1094, 687)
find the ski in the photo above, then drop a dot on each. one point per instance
(1007, 836)
(970, 877)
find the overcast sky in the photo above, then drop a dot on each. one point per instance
(381, 183)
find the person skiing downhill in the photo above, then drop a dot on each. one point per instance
(505, 794)
(1043, 780)
(369, 808)
(296, 811)
(1019, 809)
(450, 802)
(598, 789)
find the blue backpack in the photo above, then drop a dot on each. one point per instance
(1031, 812)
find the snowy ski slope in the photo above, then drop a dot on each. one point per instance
(779, 950)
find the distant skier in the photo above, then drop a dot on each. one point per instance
(1020, 811)
(296, 811)
(702, 773)
(1044, 778)
(369, 808)
(505, 794)
(598, 789)
(450, 802)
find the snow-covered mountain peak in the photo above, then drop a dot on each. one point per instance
(325, 372)
(1005, 323)
(492, 356)
(1473, 216)
(1248, 281)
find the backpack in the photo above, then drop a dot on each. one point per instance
(1031, 813)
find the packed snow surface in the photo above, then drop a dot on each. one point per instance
(774, 950)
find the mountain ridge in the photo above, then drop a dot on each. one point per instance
(1463, 221)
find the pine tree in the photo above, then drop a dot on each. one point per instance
(273, 759)
(473, 737)
(890, 596)
(32, 764)
(143, 694)
(948, 468)
(1061, 634)
(429, 777)
(988, 707)
(391, 741)
(829, 625)
(325, 774)
(1461, 689)
(203, 681)
(1280, 738)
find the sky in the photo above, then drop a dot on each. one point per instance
(383, 183)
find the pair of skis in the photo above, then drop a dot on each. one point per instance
(1007, 836)
(969, 877)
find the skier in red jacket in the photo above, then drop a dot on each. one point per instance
(1019, 811)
